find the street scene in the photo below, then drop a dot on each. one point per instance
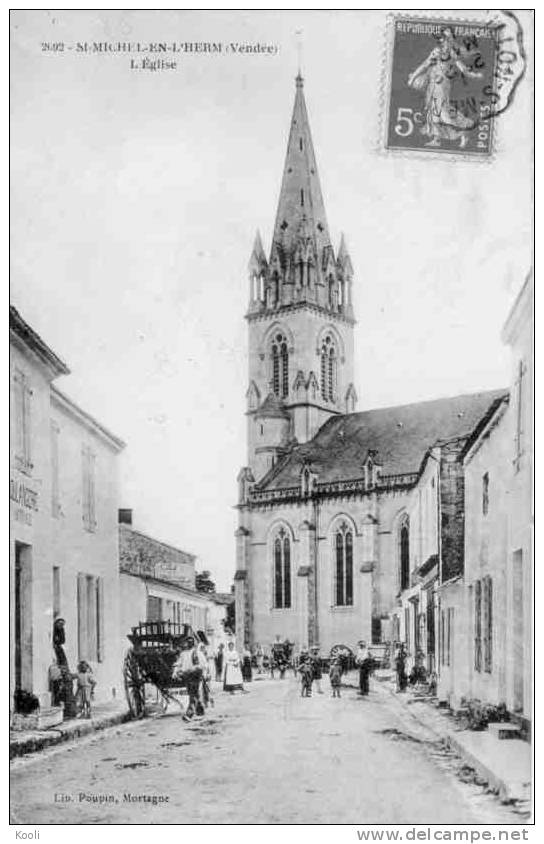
(267, 757)
(271, 418)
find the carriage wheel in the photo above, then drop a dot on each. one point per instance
(134, 685)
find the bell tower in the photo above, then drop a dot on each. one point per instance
(300, 314)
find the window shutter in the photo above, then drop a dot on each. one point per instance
(21, 408)
(488, 624)
(18, 412)
(478, 625)
(91, 618)
(100, 638)
(82, 616)
(451, 616)
(84, 486)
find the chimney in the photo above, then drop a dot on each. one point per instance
(125, 516)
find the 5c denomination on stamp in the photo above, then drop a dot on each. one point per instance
(443, 83)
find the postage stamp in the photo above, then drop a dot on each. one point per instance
(448, 82)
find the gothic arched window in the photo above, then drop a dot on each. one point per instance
(343, 582)
(280, 366)
(282, 571)
(328, 370)
(404, 553)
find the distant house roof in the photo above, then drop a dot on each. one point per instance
(400, 436)
(188, 558)
(33, 341)
(144, 556)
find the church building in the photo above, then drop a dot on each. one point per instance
(324, 546)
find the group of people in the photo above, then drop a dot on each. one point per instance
(233, 669)
(310, 668)
(61, 679)
(193, 667)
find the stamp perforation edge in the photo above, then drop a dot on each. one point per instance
(431, 155)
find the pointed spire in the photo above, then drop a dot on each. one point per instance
(257, 261)
(344, 258)
(300, 206)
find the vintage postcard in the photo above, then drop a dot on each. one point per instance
(271, 421)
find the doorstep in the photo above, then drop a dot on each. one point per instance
(504, 765)
(104, 715)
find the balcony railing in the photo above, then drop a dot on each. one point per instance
(357, 486)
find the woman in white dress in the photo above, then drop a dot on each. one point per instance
(232, 676)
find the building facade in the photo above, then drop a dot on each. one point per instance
(466, 608)
(518, 334)
(325, 546)
(499, 572)
(157, 583)
(63, 525)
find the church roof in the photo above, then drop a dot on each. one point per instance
(400, 436)
(301, 210)
(272, 408)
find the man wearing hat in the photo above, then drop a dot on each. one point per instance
(188, 668)
(363, 660)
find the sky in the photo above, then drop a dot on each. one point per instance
(135, 197)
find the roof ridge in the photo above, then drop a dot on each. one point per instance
(496, 391)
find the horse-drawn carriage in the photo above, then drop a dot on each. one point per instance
(155, 648)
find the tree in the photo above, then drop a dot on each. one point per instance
(204, 583)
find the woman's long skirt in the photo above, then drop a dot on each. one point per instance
(233, 678)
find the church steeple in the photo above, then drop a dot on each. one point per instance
(302, 267)
(301, 211)
(300, 316)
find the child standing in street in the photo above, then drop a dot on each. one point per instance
(306, 671)
(335, 676)
(85, 687)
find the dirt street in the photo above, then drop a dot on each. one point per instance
(268, 756)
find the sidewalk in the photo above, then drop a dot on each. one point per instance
(104, 715)
(505, 765)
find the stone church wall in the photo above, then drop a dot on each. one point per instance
(373, 520)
